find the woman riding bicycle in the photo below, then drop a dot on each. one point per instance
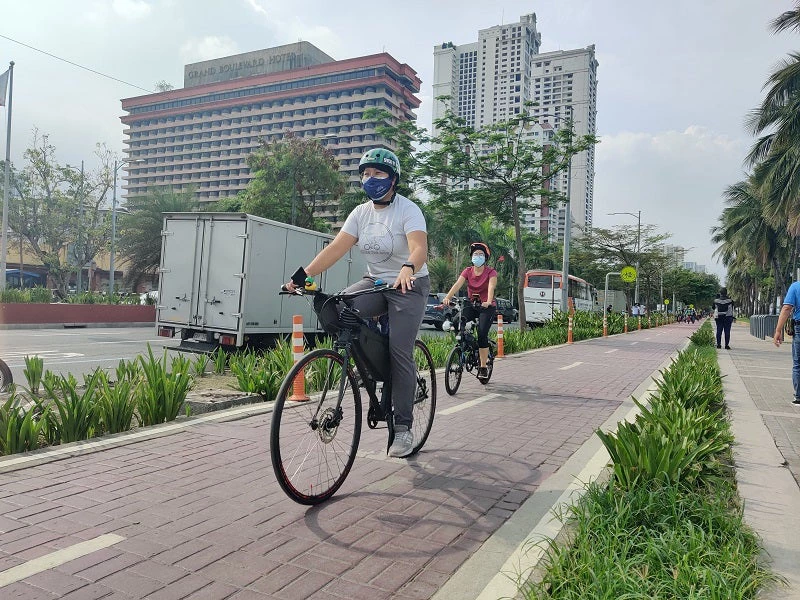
(481, 282)
(392, 235)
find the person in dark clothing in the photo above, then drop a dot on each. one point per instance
(723, 315)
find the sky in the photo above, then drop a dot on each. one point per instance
(676, 79)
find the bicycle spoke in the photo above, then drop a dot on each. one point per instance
(313, 444)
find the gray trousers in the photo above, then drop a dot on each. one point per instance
(405, 316)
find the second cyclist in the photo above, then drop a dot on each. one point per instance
(481, 282)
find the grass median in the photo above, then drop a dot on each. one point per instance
(669, 522)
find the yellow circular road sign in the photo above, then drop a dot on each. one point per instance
(628, 274)
(666, 300)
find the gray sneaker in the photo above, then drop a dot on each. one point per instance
(403, 442)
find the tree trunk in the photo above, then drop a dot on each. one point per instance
(523, 323)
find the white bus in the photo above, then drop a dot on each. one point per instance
(543, 295)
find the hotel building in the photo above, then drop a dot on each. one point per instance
(200, 136)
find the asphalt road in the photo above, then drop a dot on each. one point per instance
(80, 351)
(77, 351)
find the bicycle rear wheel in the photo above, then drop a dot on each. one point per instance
(489, 363)
(313, 444)
(453, 370)
(424, 395)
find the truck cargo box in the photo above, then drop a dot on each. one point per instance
(221, 273)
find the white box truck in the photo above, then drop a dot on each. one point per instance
(220, 275)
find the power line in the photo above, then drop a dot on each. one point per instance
(74, 64)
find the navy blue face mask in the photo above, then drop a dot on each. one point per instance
(377, 188)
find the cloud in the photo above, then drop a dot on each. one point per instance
(288, 27)
(211, 46)
(676, 178)
(131, 9)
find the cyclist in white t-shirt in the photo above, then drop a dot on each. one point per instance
(391, 233)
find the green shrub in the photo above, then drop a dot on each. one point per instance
(20, 430)
(41, 295)
(13, 295)
(220, 361)
(703, 336)
(75, 414)
(200, 365)
(670, 444)
(116, 403)
(654, 541)
(254, 374)
(163, 391)
(33, 371)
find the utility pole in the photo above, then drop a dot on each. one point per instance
(79, 244)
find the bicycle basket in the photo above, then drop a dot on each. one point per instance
(327, 313)
(375, 352)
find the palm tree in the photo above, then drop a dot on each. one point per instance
(140, 230)
(776, 154)
(744, 232)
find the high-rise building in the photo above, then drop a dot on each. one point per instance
(199, 136)
(491, 80)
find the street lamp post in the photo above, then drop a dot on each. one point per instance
(111, 259)
(638, 215)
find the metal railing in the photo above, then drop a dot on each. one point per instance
(762, 326)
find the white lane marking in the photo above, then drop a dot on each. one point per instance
(45, 354)
(573, 365)
(57, 558)
(634, 343)
(465, 405)
(765, 377)
(610, 351)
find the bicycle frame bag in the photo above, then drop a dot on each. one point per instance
(327, 313)
(375, 352)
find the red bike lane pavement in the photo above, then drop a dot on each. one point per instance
(198, 514)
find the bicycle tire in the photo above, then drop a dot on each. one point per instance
(6, 379)
(424, 395)
(453, 370)
(311, 461)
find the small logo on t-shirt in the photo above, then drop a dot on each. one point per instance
(377, 241)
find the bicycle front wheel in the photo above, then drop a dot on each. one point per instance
(453, 370)
(313, 443)
(424, 395)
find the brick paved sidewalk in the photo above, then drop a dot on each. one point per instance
(198, 514)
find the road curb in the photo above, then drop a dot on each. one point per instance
(17, 462)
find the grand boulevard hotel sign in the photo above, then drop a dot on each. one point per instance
(260, 62)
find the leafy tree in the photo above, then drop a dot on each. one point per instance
(163, 85)
(140, 229)
(292, 178)
(58, 210)
(499, 170)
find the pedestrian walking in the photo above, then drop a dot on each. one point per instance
(791, 310)
(723, 315)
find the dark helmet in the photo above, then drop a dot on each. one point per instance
(480, 246)
(382, 159)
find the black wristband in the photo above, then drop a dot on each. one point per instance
(408, 264)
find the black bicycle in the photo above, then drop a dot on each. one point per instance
(464, 356)
(313, 442)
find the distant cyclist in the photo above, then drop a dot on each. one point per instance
(392, 235)
(481, 282)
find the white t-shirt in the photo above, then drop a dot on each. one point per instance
(381, 235)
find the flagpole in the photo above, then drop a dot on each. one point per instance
(4, 232)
